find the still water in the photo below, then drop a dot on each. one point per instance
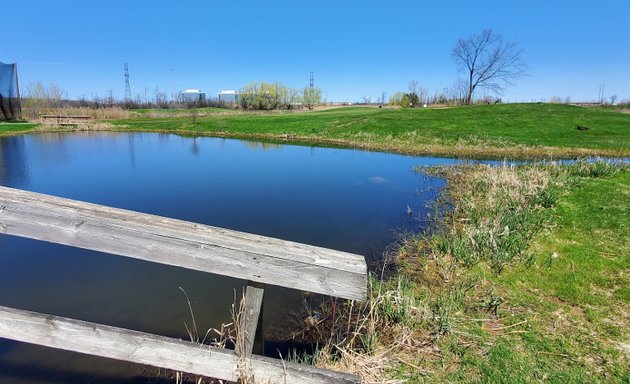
(354, 201)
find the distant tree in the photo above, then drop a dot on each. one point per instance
(458, 92)
(160, 98)
(247, 95)
(613, 99)
(423, 95)
(311, 97)
(413, 100)
(413, 97)
(42, 99)
(488, 62)
(405, 100)
(396, 98)
(110, 99)
(289, 97)
(383, 99)
(267, 96)
(417, 94)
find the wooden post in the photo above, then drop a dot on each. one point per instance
(249, 318)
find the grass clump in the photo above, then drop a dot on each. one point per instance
(498, 210)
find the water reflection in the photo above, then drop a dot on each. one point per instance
(261, 146)
(14, 168)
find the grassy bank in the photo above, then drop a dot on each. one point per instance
(11, 128)
(526, 281)
(483, 131)
(509, 130)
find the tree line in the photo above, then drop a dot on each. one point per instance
(40, 98)
(270, 96)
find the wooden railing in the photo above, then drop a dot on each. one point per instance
(259, 260)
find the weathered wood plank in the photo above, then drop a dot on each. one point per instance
(250, 314)
(158, 351)
(183, 244)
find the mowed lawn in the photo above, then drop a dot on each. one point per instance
(541, 129)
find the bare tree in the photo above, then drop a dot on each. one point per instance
(458, 92)
(40, 98)
(383, 99)
(488, 62)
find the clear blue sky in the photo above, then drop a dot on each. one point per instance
(355, 49)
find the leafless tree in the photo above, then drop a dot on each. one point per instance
(40, 98)
(488, 62)
(458, 92)
(383, 98)
(413, 87)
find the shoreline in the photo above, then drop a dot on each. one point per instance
(517, 152)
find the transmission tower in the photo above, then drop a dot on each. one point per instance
(312, 80)
(128, 96)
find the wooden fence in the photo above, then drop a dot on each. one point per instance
(259, 260)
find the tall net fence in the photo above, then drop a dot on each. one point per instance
(10, 108)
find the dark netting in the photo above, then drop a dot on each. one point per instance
(9, 93)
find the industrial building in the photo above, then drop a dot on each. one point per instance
(228, 97)
(192, 96)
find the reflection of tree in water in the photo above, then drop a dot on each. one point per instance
(14, 170)
(261, 145)
(195, 147)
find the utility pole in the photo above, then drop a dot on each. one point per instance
(173, 86)
(601, 93)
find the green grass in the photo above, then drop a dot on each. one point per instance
(583, 288)
(11, 128)
(180, 111)
(574, 297)
(515, 130)
(483, 131)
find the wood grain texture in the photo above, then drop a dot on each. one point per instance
(158, 351)
(184, 244)
(251, 311)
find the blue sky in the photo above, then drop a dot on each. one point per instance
(355, 48)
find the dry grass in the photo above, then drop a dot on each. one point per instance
(110, 113)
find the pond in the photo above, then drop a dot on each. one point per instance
(354, 201)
